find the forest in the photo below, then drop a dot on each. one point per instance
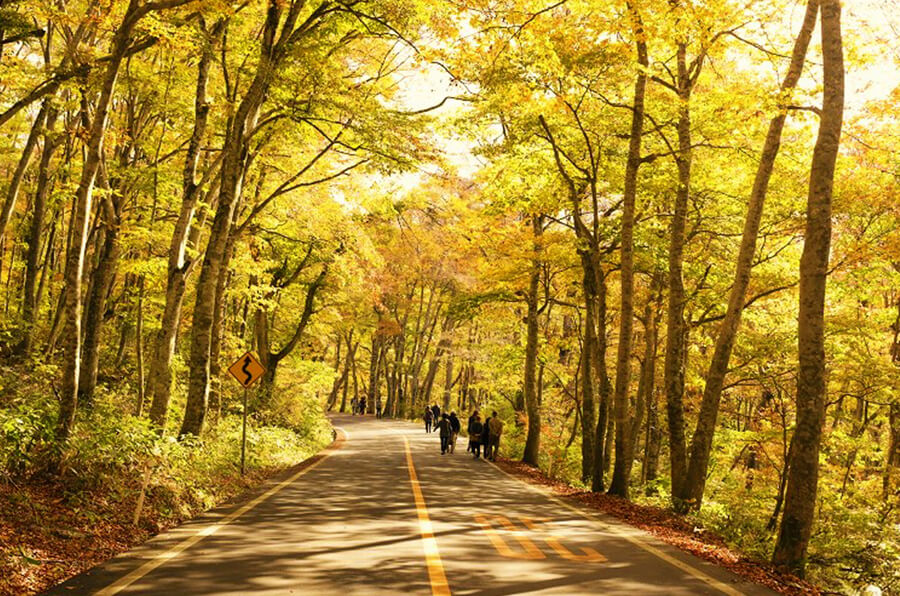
(661, 238)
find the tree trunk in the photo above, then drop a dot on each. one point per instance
(234, 153)
(624, 450)
(179, 265)
(701, 443)
(533, 437)
(800, 495)
(589, 427)
(30, 300)
(604, 433)
(448, 381)
(103, 276)
(892, 456)
(673, 370)
(81, 209)
(15, 184)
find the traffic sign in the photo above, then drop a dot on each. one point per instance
(247, 369)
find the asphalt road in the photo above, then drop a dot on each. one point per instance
(383, 512)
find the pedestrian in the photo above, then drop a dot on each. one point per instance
(495, 430)
(486, 438)
(445, 429)
(362, 406)
(475, 430)
(429, 417)
(436, 410)
(378, 407)
(454, 431)
(469, 428)
(353, 406)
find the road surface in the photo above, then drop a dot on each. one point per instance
(383, 512)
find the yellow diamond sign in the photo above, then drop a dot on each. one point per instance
(247, 369)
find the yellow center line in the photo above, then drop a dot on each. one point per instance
(439, 585)
(633, 539)
(208, 530)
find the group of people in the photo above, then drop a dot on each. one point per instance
(359, 406)
(484, 435)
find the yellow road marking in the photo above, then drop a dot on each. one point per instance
(635, 540)
(209, 530)
(439, 585)
(590, 554)
(531, 552)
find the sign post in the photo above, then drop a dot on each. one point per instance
(246, 370)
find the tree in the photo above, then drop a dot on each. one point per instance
(802, 483)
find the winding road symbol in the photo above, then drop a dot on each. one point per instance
(246, 369)
(247, 362)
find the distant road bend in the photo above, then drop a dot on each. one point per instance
(383, 512)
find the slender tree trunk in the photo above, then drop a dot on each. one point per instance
(533, 436)
(179, 264)
(646, 381)
(701, 443)
(589, 426)
(15, 184)
(673, 373)
(81, 206)
(103, 276)
(448, 381)
(336, 385)
(892, 455)
(802, 485)
(624, 451)
(605, 429)
(30, 301)
(234, 155)
(139, 349)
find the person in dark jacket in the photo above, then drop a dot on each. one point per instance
(429, 417)
(486, 438)
(475, 431)
(445, 429)
(469, 428)
(436, 411)
(455, 427)
(495, 428)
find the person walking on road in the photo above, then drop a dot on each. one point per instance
(469, 429)
(486, 438)
(353, 406)
(429, 417)
(378, 407)
(475, 430)
(455, 427)
(495, 428)
(445, 429)
(362, 406)
(436, 411)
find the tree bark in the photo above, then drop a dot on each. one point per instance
(531, 454)
(802, 485)
(233, 156)
(103, 275)
(624, 451)
(673, 370)
(81, 209)
(179, 264)
(701, 443)
(30, 301)
(15, 184)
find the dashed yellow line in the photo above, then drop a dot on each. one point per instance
(635, 540)
(212, 528)
(436, 575)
